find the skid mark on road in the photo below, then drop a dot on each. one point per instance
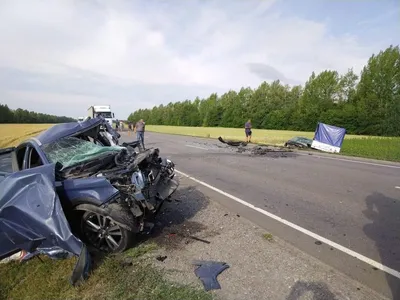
(337, 246)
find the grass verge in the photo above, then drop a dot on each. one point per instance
(130, 275)
(382, 148)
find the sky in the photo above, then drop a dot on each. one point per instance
(60, 57)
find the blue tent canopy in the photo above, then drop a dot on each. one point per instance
(328, 135)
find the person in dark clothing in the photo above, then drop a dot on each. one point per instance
(247, 131)
(129, 128)
(116, 124)
(139, 129)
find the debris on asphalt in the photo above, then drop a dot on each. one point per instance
(207, 272)
(225, 215)
(318, 243)
(232, 143)
(266, 150)
(161, 258)
(238, 215)
(199, 239)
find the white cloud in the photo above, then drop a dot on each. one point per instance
(194, 46)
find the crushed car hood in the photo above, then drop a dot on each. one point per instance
(32, 219)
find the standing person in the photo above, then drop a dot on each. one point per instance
(247, 131)
(129, 128)
(139, 129)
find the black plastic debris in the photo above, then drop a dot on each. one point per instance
(161, 258)
(232, 143)
(199, 239)
(318, 243)
(207, 272)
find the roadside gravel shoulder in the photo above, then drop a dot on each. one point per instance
(261, 266)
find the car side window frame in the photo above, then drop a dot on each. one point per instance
(29, 151)
(21, 164)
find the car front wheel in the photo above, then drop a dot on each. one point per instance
(101, 232)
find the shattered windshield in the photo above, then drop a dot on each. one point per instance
(71, 151)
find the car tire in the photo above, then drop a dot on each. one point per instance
(100, 231)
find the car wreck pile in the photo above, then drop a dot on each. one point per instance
(241, 147)
(73, 188)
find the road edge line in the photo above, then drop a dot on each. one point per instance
(300, 229)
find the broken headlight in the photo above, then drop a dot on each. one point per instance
(169, 167)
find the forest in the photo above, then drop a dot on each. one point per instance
(23, 116)
(367, 103)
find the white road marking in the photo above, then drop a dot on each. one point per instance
(196, 147)
(301, 229)
(353, 161)
(397, 187)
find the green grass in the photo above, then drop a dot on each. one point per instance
(382, 148)
(269, 237)
(373, 147)
(111, 280)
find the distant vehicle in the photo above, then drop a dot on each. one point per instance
(102, 110)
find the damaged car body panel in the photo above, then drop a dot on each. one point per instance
(97, 191)
(299, 142)
(107, 193)
(32, 219)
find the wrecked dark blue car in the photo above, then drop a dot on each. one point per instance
(72, 189)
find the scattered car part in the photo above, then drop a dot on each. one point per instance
(232, 143)
(199, 239)
(299, 142)
(161, 258)
(207, 272)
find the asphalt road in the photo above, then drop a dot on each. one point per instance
(354, 203)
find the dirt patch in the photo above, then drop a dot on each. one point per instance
(174, 228)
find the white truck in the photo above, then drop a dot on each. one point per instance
(104, 110)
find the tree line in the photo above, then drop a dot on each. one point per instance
(19, 115)
(368, 103)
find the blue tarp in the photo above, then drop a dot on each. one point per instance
(329, 134)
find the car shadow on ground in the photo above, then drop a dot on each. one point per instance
(384, 212)
(319, 290)
(173, 226)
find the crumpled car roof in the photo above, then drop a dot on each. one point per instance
(32, 218)
(59, 131)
